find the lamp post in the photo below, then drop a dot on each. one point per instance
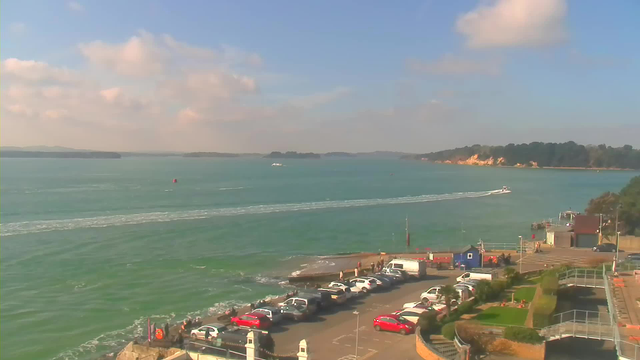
(357, 314)
(617, 233)
(521, 254)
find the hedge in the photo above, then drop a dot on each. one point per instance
(449, 330)
(549, 284)
(521, 335)
(428, 321)
(543, 309)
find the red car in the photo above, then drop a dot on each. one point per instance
(395, 323)
(252, 320)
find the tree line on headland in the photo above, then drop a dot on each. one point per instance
(626, 204)
(61, 154)
(538, 154)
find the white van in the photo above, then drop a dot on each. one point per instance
(415, 268)
(478, 275)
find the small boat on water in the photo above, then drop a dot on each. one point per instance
(504, 190)
(276, 164)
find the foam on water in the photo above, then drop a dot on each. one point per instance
(27, 227)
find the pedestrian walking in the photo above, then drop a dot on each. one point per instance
(359, 265)
(341, 275)
(356, 271)
(373, 268)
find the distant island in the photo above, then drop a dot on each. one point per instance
(339, 154)
(292, 155)
(539, 155)
(60, 154)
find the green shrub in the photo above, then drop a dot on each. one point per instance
(521, 335)
(543, 309)
(497, 287)
(449, 330)
(465, 308)
(484, 291)
(549, 284)
(428, 321)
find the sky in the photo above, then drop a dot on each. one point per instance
(261, 76)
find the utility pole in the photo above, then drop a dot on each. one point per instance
(600, 231)
(617, 233)
(521, 254)
(357, 330)
(481, 253)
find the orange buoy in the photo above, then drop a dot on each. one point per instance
(175, 181)
(159, 334)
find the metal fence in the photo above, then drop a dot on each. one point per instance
(625, 349)
(581, 323)
(209, 349)
(582, 277)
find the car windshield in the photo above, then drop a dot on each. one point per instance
(403, 320)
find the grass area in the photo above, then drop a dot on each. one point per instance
(533, 281)
(506, 316)
(525, 293)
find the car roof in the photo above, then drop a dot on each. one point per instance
(258, 314)
(270, 308)
(215, 325)
(393, 316)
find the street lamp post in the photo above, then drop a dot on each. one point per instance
(617, 234)
(357, 330)
(521, 254)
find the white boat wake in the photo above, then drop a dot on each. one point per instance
(27, 227)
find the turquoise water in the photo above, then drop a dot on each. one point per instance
(90, 249)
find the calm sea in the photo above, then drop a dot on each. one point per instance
(91, 248)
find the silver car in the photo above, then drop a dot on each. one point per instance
(274, 314)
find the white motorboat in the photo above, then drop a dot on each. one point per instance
(276, 164)
(504, 190)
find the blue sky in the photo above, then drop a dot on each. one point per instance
(250, 76)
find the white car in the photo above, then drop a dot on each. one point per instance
(379, 283)
(274, 314)
(416, 305)
(214, 330)
(365, 284)
(350, 290)
(468, 286)
(432, 294)
(410, 314)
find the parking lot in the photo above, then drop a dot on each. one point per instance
(332, 334)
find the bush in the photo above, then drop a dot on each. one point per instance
(449, 330)
(542, 310)
(522, 335)
(484, 291)
(497, 287)
(549, 284)
(428, 321)
(465, 308)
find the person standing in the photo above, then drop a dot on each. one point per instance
(373, 267)
(359, 264)
(341, 275)
(356, 270)
(166, 329)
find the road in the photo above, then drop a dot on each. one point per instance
(332, 335)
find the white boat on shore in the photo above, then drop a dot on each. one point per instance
(276, 164)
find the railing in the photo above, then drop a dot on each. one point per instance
(463, 348)
(582, 277)
(201, 348)
(581, 323)
(626, 350)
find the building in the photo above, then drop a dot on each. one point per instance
(468, 256)
(586, 231)
(560, 236)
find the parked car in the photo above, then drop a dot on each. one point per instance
(310, 302)
(478, 274)
(323, 298)
(394, 323)
(338, 296)
(606, 247)
(468, 286)
(271, 312)
(214, 330)
(410, 314)
(432, 294)
(365, 284)
(252, 320)
(392, 280)
(416, 305)
(382, 283)
(400, 275)
(349, 289)
(415, 268)
(295, 312)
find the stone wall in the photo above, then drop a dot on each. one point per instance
(519, 350)
(628, 243)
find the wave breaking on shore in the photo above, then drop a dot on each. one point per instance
(27, 227)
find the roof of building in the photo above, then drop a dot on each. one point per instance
(467, 248)
(586, 224)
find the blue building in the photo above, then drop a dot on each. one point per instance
(469, 257)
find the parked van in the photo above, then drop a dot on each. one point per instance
(415, 268)
(479, 274)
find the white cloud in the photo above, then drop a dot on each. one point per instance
(20, 109)
(511, 23)
(452, 65)
(110, 95)
(55, 114)
(188, 116)
(75, 6)
(318, 99)
(17, 28)
(35, 71)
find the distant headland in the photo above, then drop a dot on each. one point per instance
(568, 155)
(60, 154)
(292, 155)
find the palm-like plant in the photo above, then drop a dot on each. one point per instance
(449, 293)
